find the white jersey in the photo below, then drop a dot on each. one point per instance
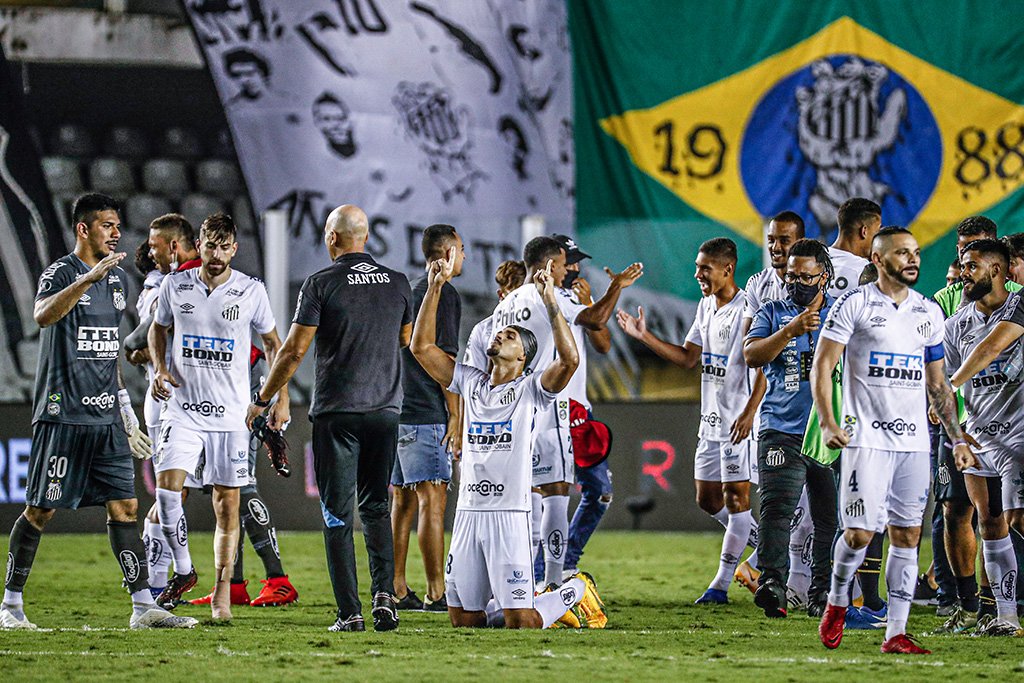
(577, 387)
(147, 297)
(497, 468)
(761, 287)
(525, 307)
(887, 349)
(848, 268)
(994, 402)
(725, 378)
(476, 348)
(210, 347)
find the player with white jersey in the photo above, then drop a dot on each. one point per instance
(725, 462)
(859, 221)
(509, 276)
(490, 557)
(891, 340)
(205, 386)
(987, 328)
(552, 444)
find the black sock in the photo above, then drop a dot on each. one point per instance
(130, 554)
(967, 592)
(238, 572)
(259, 527)
(21, 553)
(869, 571)
(986, 602)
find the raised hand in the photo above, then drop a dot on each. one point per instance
(628, 276)
(634, 327)
(441, 270)
(100, 270)
(582, 290)
(807, 321)
(545, 283)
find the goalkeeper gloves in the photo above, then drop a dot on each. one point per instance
(141, 444)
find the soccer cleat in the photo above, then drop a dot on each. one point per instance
(9, 619)
(816, 608)
(747, 575)
(903, 644)
(385, 613)
(410, 603)
(866, 619)
(439, 605)
(353, 623)
(157, 617)
(830, 630)
(176, 587)
(961, 620)
(713, 596)
(591, 605)
(946, 610)
(276, 444)
(795, 600)
(276, 591)
(924, 594)
(998, 627)
(239, 595)
(771, 597)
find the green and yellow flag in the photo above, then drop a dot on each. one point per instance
(701, 119)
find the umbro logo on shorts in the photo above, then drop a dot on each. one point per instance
(364, 267)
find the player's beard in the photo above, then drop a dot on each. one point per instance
(897, 274)
(978, 290)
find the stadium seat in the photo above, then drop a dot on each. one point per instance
(196, 207)
(167, 177)
(219, 178)
(124, 142)
(241, 211)
(223, 147)
(63, 176)
(70, 140)
(111, 176)
(181, 143)
(141, 209)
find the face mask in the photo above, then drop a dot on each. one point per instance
(801, 294)
(570, 277)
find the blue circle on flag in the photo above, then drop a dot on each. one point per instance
(841, 127)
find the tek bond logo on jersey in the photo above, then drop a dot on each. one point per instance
(991, 378)
(714, 365)
(492, 436)
(902, 370)
(212, 353)
(98, 343)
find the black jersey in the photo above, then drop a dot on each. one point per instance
(76, 379)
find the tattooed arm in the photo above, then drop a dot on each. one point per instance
(943, 405)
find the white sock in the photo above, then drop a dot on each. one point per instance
(553, 605)
(799, 584)
(736, 534)
(755, 529)
(13, 598)
(172, 521)
(845, 561)
(1001, 567)
(554, 529)
(142, 600)
(495, 615)
(158, 554)
(536, 504)
(900, 578)
(722, 517)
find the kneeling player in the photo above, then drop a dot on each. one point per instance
(490, 550)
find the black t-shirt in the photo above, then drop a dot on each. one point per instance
(76, 379)
(424, 402)
(358, 307)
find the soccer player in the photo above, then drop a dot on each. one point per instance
(781, 339)
(213, 310)
(491, 554)
(553, 465)
(1016, 244)
(80, 454)
(953, 272)
(893, 368)
(859, 220)
(724, 464)
(994, 402)
(360, 314)
(429, 434)
(509, 277)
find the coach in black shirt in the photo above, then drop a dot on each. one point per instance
(360, 314)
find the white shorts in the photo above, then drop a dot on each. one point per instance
(226, 459)
(552, 445)
(724, 461)
(879, 487)
(1006, 464)
(490, 556)
(190, 480)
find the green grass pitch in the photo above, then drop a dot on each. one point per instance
(648, 580)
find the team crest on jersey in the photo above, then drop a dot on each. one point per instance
(119, 302)
(230, 313)
(509, 397)
(724, 332)
(53, 491)
(925, 329)
(53, 409)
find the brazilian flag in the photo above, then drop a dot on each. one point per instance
(698, 119)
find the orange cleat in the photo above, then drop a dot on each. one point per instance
(239, 595)
(276, 591)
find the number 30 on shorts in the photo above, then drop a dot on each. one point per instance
(58, 466)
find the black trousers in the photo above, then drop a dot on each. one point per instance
(352, 455)
(783, 470)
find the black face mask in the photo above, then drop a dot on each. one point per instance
(801, 294)
(570, 277)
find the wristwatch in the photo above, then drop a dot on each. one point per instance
(256, 401)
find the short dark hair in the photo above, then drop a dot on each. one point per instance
(805, 248)
(510, 275)
(241, 55)
(790, 217)
(955, 264)
(90, 204)
(1016, 244)
(854, 212)
(721, 248)
(990, 247)
(976, 225)
(175, 224)
(868, 275)
(327, 97)
(435, 240)
(538, 250)
(529, 342)
(144, 262)
(218, 226)
(889, 231)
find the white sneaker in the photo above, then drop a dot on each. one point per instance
(158, 617)
(8, 620)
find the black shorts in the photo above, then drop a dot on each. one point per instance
(947, 481)
(73, 466)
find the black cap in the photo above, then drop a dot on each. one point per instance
(573, 254)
